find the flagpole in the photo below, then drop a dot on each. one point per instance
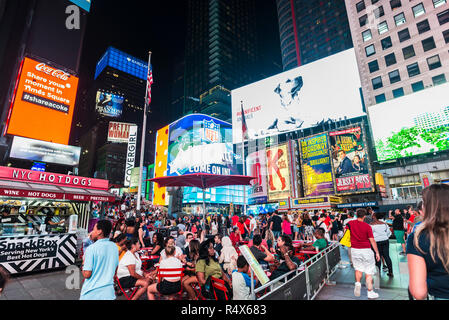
(244, 163)
(142, 147)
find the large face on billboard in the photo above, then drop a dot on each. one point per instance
(299, 98)
(350, 161)
(43, 104)
(109, 105)
(199, 143)
(278, 173)
(34, 150)
(414, 124)
(316, 166)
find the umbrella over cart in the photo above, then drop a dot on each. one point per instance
(203, 181)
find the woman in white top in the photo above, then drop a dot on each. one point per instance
(170, 242)
(129, 271)
(382, 233)
(168, 285)
(228, 256)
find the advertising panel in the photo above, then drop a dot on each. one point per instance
(160, 166)
(44, 100)
(118, 132)
(351, 161)
(414, 124)
(130, 155)
(278, 173)
(200, 144)
(256, 167)
(109, 105)
(124, 62)
(84, 4)
(34, 150)
(299, 98)
(316, 166)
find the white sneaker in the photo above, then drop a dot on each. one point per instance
(357, 289)
(372, 295)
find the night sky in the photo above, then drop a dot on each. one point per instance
(137, 26)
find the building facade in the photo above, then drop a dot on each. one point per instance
(401, 46)
(311, 30)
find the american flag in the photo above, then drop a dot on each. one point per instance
(149, 83)
(244, 126)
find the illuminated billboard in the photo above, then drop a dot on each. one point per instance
(351, 161)
(43, 103)
(316, 166)
(109, 105)
(84, 4)
(256, 166)
(299, 98)
(414, 124)
(278, 173)
(118, 132)
(160, 166)
(124, 62)
(34, 150)
(200, 144)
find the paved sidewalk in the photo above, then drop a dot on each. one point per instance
(389, 288)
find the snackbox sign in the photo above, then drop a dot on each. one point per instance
(52, 178)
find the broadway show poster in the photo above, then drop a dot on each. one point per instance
(316, 166)
(350, 161)
(256, 166)
(278, 173)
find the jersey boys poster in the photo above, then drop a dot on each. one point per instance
(316, 166)
(278, 173)
(351, 161)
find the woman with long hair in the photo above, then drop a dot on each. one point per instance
(190, 278)
(428, 247)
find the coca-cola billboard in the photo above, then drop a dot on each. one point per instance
(44, 100)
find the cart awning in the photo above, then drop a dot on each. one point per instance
(19, 189)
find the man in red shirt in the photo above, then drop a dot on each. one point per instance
(362, 239)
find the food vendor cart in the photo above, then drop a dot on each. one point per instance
(27, 198)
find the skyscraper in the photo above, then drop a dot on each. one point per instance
(311, 30)
(221, 50)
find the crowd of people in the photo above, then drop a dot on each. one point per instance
(198, 252)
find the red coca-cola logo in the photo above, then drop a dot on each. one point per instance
(52, 72)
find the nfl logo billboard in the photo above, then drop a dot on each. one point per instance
(211, 131)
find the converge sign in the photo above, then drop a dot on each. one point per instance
(43, 104)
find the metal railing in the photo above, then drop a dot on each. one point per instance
(305, 282)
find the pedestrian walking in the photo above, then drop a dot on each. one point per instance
(399, 230)
(100, 264)
(428, 247)
(363, 258)
(382, 233)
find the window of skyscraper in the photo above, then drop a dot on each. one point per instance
(403, 35)
(418, 10)
(363, 19)
(439, 79)
(381, 98)
(390, 59)
(379, 12)
(366, 35)
(428, 44)
(394, 76)
(434, 62)
(423, 26)
(395, 4)
(408, 52)
(377, 83)
(418, 86)
(437, 3)
(386, 43)
(373, 66)
(370, 50)
(382, 27)
(443, 17)
(360, 6)
(413, 69)
(446, 35)
(398, 92)
(374, 1)
(399, 19)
